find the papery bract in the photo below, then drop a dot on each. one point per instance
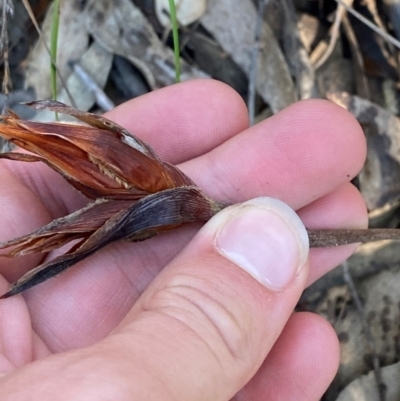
(136, 195)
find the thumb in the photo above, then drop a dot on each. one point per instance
(205, 325)
(202, 328)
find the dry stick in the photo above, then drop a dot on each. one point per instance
(101, 98)
(373, 9)
(6, 8)
(254, 61)
(188, 34)
(368, 335)
(362, 85)
(297, 55)
(328, 238)
(370, 24)
(387, 52)
(342, 310)
(332, 238)
(334, 32)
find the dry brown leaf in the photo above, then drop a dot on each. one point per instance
(232, 25)
(381, 298)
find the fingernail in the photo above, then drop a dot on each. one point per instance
(266, 238)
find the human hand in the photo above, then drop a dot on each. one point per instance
(172, 318)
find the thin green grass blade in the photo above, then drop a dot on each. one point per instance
(175, 36)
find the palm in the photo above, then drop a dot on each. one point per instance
(290, 160)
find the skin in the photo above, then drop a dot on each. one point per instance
(86, 334)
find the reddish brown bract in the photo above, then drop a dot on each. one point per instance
(135, 194)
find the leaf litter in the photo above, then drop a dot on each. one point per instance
(119, 42)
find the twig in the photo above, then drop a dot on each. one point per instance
(342, 311)
(362, 85)
(296, 54)
(254, 60)
(334, 34)
(373, 9)
(189, 34)
(368, 335)
(371, 25)
(101, 98)
(332, 238)
(388, 50)
(7, 7)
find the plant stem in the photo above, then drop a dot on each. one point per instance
(320, 238)
(175, 35)
(332, 238)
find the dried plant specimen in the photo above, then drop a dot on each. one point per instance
(134, 194)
